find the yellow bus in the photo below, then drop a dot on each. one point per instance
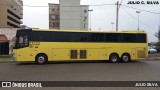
(42, 46)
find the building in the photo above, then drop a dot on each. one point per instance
(84, 17)
(68, 15)
(7, 40)
(11, 13)
(54, 13)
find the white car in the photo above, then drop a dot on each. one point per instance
(151, 50)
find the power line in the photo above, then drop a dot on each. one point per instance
(141, 9)
(137, 19)
(88, 5)
(121, 1)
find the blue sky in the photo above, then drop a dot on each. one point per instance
(102, 16)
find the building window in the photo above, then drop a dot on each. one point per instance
(85, 17)
(53, 9)
(85, 11)
(84, 25)
(52, 24)
(52, 17)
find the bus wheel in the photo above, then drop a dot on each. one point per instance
(114, 58)
(125, 58)
(41, 59)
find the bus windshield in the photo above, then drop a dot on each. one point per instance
(21, 41)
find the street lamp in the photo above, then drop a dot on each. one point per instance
(112, 25)
(90, 17)
(138, 12)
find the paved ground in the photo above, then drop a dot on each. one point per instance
(93, 71)
(148, 70)
(142, 70)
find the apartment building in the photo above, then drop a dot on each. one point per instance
(68, 15)
(54, 14)
(11, 13)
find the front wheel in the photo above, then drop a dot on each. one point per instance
(41, 59)
(114, 58)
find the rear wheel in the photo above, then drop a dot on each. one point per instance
(41, 59)
(125, 58)
(114, 58)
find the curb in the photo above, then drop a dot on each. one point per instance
(5, 56)
(7, 61)
(154, 58)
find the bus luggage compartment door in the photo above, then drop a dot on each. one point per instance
(60, 54)
(97, 54)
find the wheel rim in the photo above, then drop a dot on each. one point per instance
(125, 58)
(114, 58)
(41, 59)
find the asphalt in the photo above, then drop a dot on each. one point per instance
(81, 71)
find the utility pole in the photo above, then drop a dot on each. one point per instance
(117, 15)
(159, 19)
(138, 12)
(90, 18)
(159, 30)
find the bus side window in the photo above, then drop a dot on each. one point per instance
(142, 38)
(96, 37)
(113, 37)
(25, 42)
(20, 41)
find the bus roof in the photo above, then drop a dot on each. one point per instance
(123, 31)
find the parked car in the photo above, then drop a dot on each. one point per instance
(151, 50)
(158, 49)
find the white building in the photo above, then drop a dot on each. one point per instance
(72, 15)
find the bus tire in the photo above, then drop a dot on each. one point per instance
(125, 58)
(41, 59)
(114, 58)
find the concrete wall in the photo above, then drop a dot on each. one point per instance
(70, 14)
(84, 17)
(11, 13)
(3, 13)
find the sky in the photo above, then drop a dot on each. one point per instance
(101, 16)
